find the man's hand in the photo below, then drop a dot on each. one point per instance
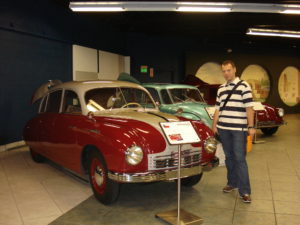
(215, 130)
(251, 132)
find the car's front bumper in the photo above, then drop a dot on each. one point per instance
(210, 165)
(267, 124)
(154, 176)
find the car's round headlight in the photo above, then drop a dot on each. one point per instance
(134, 155)
(280, 112)
(210, 145)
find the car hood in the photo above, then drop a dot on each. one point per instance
(192, 105)
(196, 108)
(133, 127)
(144, 127)
(151, 117)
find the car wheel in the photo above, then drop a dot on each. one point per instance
(269, 131)
(105, 190)
(36, 157)
(191, 181)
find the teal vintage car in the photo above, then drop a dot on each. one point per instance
(182, 100)
(179, 99)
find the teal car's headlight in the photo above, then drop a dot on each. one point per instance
(210, 145)
(280, 112)
(134, 155)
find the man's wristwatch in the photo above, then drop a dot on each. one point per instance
(251, 127)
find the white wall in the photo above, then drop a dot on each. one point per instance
(109, 65)
(87, 67)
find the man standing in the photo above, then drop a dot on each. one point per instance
(233, 123)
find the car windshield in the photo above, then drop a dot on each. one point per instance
(185, 95)
(116, 98)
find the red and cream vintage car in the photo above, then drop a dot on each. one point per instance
(267, 118)
(109, 133)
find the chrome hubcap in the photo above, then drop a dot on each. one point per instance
(99, 176)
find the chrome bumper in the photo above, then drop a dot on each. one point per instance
(268, 124)
(154, 176)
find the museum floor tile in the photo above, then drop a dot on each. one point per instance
(40, 194)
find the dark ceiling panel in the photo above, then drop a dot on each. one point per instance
(213, 27)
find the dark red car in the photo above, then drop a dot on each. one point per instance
(109, 132)
(267, 118)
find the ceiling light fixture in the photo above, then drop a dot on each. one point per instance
(202, 9)
(182, 6)
(97, 9)
(274, 33)
(291, 11)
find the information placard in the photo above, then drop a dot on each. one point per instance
(181, 132)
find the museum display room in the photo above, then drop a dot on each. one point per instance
(107, 112)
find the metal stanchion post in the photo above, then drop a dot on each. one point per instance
(255, 135)
(178, 184)
(184, 134)
(179, 216)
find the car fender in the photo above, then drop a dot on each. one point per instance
(112, 140)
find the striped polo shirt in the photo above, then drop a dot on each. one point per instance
(234, 116)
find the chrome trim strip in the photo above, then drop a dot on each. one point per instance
(169, 161)
(154, 176)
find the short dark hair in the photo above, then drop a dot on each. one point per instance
(226, 62)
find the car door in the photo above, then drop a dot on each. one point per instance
(32, 130)
(48, 131)
(66, 123)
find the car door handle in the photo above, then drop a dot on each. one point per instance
(94, 131)
(72, 127)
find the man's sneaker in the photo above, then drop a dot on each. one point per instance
(246, 198)
(228, 189)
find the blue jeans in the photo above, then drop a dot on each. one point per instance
(234, 146)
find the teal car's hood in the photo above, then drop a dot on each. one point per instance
(191, 110)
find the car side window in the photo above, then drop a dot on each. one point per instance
(165, 97)
(71, 103)
(154, 94)
(43, 104)
(53, 103)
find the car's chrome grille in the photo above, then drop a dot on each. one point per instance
(170, 161)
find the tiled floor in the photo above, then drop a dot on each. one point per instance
(36, 194)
